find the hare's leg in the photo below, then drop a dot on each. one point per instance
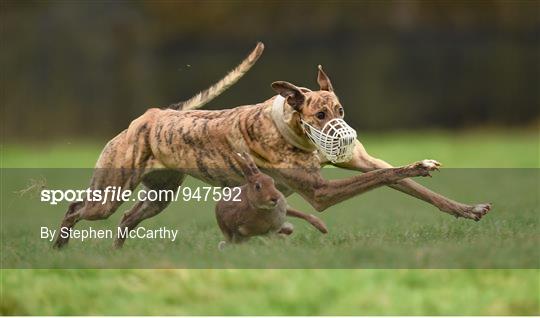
(237, 238)
(312, 219)
(286, 229)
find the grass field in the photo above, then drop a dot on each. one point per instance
(366, 232)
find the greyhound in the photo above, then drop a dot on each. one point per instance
(290, 136)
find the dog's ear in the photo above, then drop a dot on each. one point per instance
(324, 81)
(249, 168)
(293, 94)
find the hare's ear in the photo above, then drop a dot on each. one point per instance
(249, 168)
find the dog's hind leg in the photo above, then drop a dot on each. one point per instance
(97, 210)
(167, 182)
(70, 219)
(120, 167)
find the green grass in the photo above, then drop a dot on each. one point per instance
(276, 292)
(380, 229)
(377, 230)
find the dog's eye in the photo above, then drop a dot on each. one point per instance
(321, 115)
(258, 186)
(341, 112)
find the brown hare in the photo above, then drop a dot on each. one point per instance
(261, 210)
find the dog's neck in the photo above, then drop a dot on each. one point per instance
(285, 129)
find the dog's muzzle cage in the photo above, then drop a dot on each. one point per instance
(336, 140)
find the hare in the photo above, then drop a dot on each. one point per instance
(261, 210)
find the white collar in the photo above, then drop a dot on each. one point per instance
(285, 130)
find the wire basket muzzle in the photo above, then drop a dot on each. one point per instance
(336, 140)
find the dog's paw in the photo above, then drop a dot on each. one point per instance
(424, 167)
(430, 164)
(476, 212)
(472, 212)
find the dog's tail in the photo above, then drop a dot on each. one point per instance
(213, 91)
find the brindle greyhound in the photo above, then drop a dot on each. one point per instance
(162, 146)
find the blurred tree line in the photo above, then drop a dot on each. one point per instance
(87, 68)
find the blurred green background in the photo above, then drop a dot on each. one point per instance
(455, 81)
(87, 68)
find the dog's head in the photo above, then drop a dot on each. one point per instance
(314, 107)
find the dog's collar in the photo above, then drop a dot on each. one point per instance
(285, 130)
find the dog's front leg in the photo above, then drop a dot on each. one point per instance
(362, 161)
(322, 194)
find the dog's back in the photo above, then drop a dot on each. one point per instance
(203, 143)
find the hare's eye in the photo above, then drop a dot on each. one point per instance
(258, 186)
(321, 115)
